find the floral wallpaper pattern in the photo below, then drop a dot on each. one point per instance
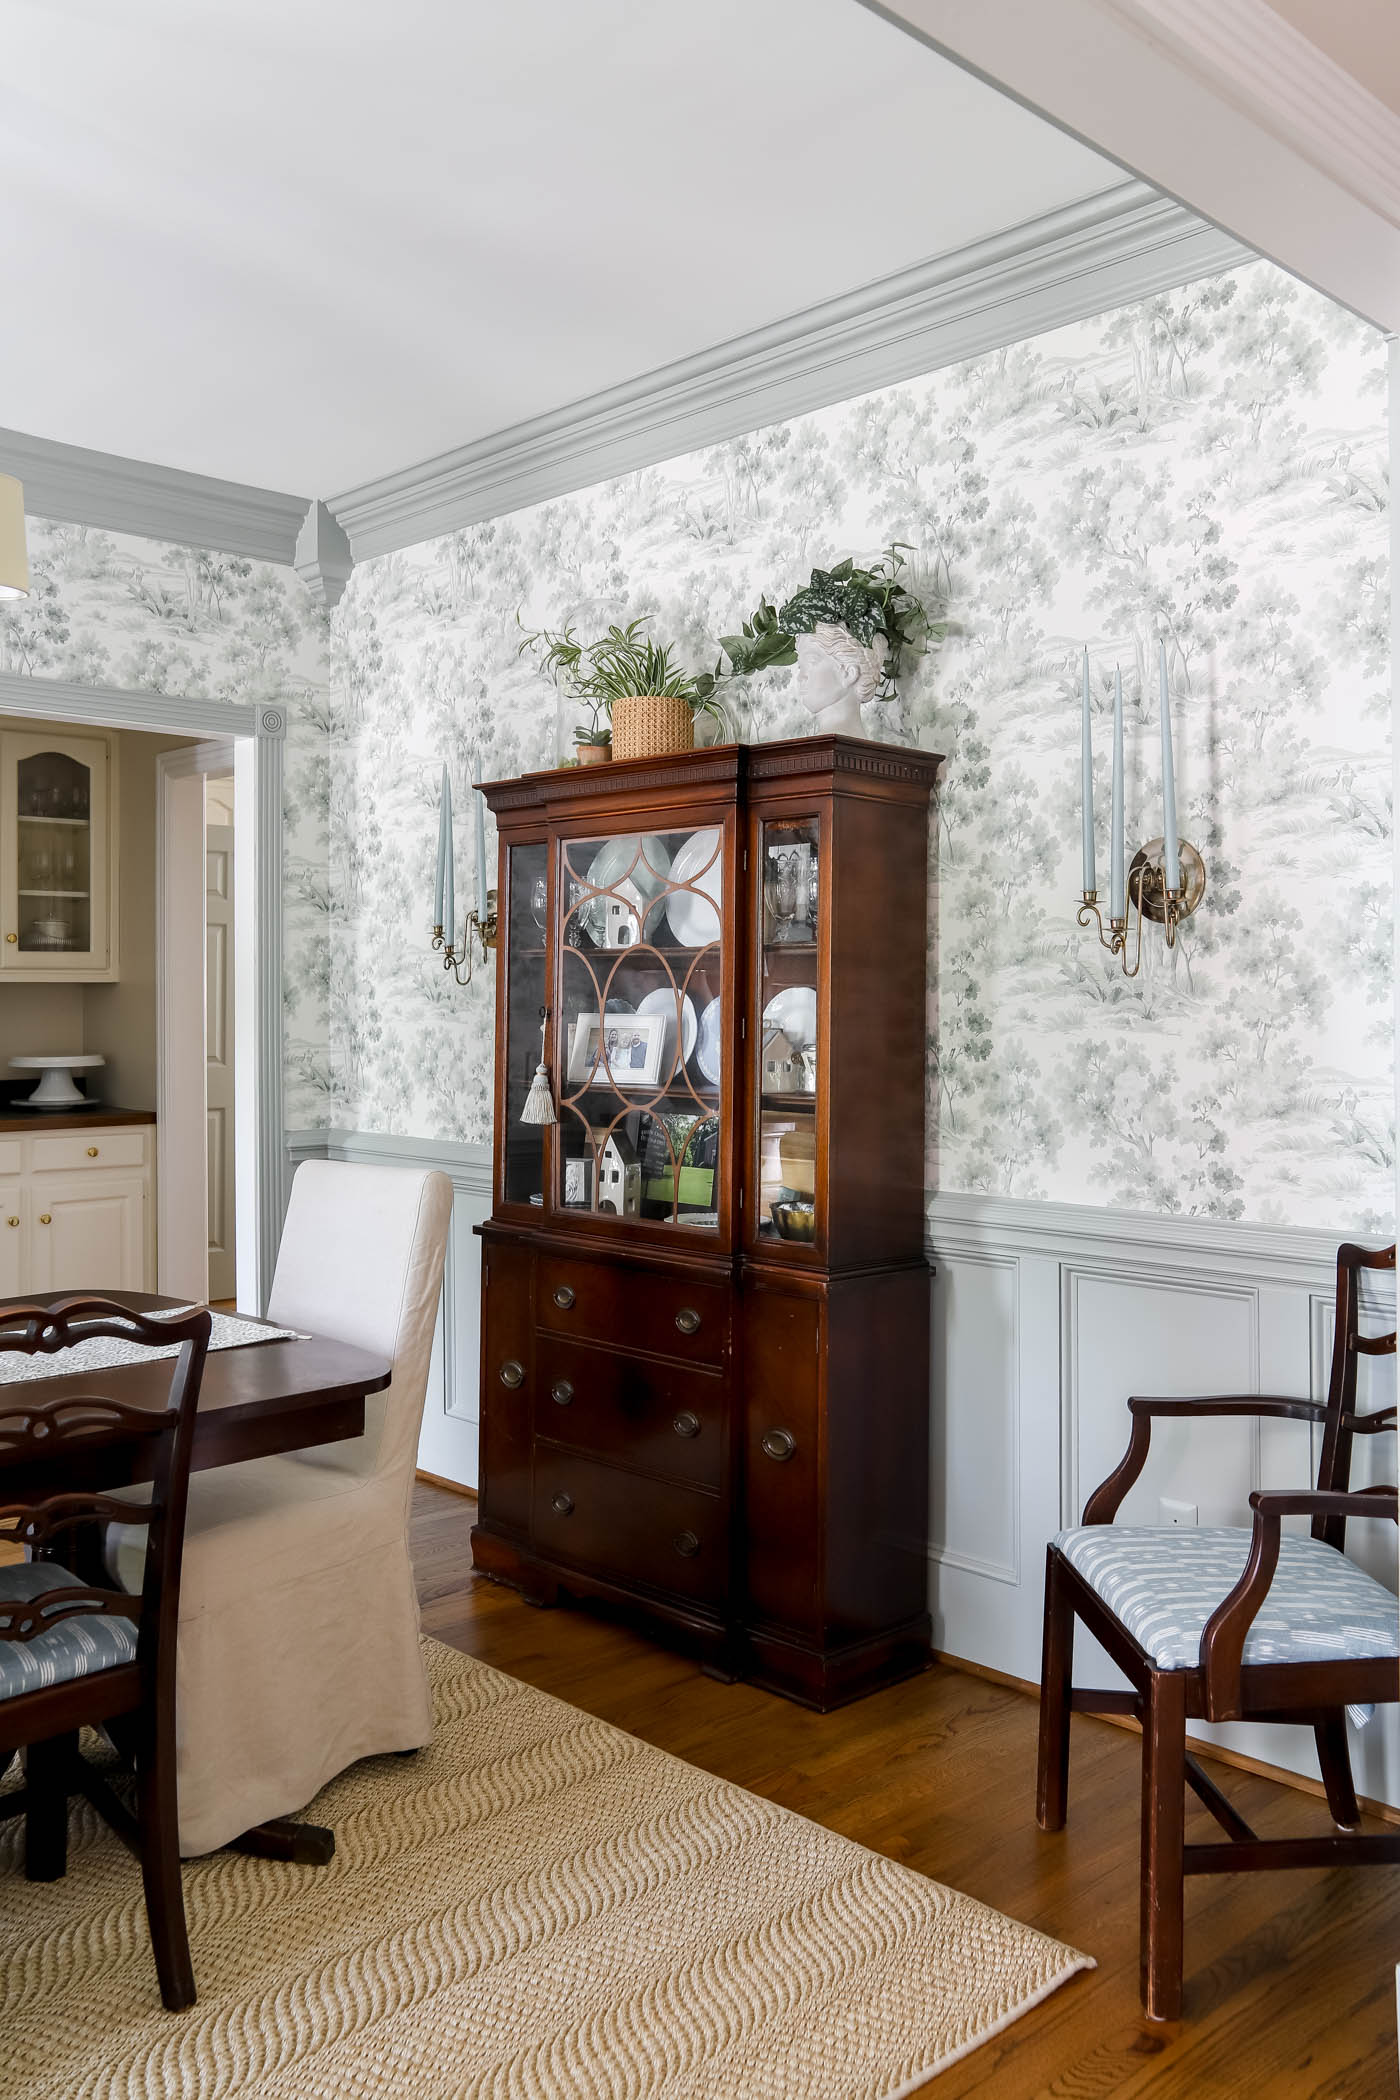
(1208, 465)
(110, 609)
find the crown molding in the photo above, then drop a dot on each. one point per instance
(1109, 249)
(323, 559)
(1268, 68)
(80, 487)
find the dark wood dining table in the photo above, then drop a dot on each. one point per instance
(254, 1401)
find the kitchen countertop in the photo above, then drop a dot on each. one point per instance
(98, 1118)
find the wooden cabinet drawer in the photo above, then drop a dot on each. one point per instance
(661, 1418)
(637, 1531)
(507, 1372)
(72, 1152)
(633, 1309)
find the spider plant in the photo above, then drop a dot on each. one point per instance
(623, 662)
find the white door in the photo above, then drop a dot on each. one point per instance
(218, 1055)
(11, 1239)
(87, 1233)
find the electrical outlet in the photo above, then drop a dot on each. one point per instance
(1178, 1512)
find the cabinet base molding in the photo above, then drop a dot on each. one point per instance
(824, 1679)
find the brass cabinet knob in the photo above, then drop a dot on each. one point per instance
(561, 1392)
(45, 1218)
(686, 1424)
(12, 1221)
(12, 937)
(562, 1504)
(563, 1297)
(512, 1373)
(779, 1444)
(92, 1151)
(686, 1544)
(688, 1320)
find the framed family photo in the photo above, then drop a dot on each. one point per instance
(630, 1052)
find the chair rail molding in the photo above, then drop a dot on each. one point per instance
(1105, 251)
(83, 487)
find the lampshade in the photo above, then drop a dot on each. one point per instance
(14, 555)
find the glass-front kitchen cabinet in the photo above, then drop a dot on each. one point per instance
(58, 872)
(705, 1333)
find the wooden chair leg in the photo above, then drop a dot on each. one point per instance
(157, 1813)
(1163, 1836)
(1334, 1756)
(1056, 1678)
(47, 1773)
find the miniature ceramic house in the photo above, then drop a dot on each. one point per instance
(782, 1064)
(619, 1176)
(620, 927)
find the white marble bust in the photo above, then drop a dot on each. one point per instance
(835, 673)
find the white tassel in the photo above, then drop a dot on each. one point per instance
(539, 1102)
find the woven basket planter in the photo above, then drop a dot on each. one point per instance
(645, 724)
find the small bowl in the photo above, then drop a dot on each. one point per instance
(795, 1218)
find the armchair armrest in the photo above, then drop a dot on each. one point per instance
(1223, 1639)
(1103, 1505)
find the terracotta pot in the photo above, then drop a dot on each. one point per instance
(592, 754)
(645, 724)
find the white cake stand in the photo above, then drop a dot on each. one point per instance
(56, 1088)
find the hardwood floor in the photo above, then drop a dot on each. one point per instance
(1290, 1979)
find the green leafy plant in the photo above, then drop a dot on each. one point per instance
(623, 662)
(874, 603)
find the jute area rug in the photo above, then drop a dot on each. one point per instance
(539, 1907)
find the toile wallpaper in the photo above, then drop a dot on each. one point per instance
(1209, 464)
(110, 609)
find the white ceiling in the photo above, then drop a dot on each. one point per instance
(302, 243)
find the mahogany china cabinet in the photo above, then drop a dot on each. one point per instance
(705, 1328)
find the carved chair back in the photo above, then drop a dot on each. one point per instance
(75, 1435)
(1349, 1345)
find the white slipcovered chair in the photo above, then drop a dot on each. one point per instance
(299, 1635)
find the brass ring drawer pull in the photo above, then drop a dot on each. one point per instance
(688, 1320)
(512, 1373)
(686, 1544)
(92, 1151)
(779, 1444)
(561, 1392)
(686, 1424)
(562, 1504)
(45, 1218)
(563, 1297)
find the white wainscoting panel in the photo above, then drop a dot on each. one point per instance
(1046, 1318)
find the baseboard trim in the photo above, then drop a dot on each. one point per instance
(451, 1487)
(1236, 1759)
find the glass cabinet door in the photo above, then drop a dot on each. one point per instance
(789, 1046)
(640, 1029)
(55, 875)
(527, 995)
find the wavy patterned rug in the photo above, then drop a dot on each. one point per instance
(539, 1907)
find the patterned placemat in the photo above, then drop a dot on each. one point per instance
(226, 1332)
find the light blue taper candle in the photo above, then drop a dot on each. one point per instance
(1118, 894)
(1171, 856)
(444, 803)
(480, 839)
(1090, 872)
(449, 924)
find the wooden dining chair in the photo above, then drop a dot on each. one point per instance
(78, 1654)
(1228, 1625)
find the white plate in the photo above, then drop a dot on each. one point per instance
(613, 869)
(707, 1047)
(694, 914)
(663, 1002)
(795, 1012)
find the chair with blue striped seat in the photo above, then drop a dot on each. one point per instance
(77, 1653)
(1227, 1624)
